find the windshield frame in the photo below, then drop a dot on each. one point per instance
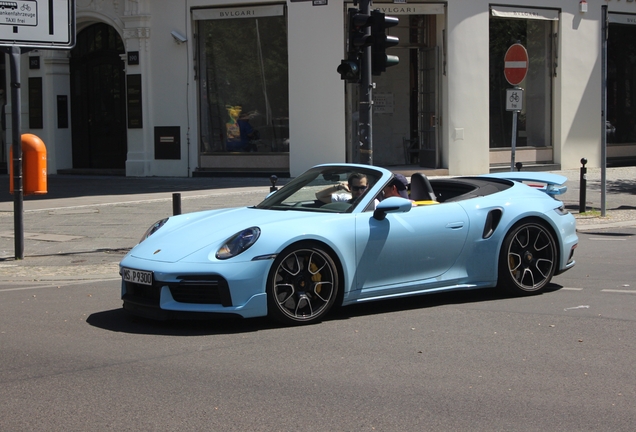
(323, 176)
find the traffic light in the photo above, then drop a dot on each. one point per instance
(379, 59)
(349, 70)
(359, 38)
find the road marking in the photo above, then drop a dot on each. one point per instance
(619, 291)
(607, 239)
(572, 289)
(41, 236)
(577, 307)
(58, 284)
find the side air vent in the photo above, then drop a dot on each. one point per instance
(492, 221)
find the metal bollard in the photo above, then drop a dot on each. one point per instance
(176, 204)
(273, 179)
(582, 186)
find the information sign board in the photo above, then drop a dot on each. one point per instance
(514, 99)
(44, 24)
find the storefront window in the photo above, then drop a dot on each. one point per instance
(535, 120)
(243, 80)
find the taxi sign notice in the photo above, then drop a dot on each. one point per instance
(46, 24)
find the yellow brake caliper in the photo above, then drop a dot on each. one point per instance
(316, 277)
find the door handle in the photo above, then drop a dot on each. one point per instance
(455, 225)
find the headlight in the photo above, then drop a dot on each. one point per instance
(153, 229)
(238, 243)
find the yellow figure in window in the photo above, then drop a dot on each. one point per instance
(232, 130)
(239, 132)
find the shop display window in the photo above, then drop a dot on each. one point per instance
(242, 73)
(535, 119)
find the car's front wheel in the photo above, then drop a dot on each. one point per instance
(302, 285)
(528, 258)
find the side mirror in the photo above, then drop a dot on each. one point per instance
(392, 205)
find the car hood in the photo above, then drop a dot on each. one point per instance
(186, 234)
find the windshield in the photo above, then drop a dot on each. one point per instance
(324, 189)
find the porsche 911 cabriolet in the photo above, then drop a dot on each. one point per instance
(294, 257)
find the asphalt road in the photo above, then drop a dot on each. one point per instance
(70, 359)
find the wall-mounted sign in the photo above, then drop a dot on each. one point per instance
(36, 118)
(238, 12)
(383, 103)
(62, 111)
(34, 62)
(133, 58)
(133, 97)
(167, 142)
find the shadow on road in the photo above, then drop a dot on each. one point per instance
(118, 320)
(72, 186)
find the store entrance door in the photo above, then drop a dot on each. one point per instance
(427, 138)
(407, 97)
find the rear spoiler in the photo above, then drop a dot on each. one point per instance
(552, 184)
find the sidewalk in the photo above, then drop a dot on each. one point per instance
(620, 195)
(84, 225)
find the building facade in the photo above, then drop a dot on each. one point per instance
(193, 87)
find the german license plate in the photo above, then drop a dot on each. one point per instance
(137, 276)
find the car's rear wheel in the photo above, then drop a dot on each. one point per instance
(528, 258)
(302, 285)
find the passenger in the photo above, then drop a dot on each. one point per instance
(345, 192)
(396, 187)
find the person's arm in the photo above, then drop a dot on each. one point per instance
(325, 194)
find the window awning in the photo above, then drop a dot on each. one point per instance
(238, 12)
(618, 18)
(525, 13)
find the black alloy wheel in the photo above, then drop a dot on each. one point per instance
(302, 285)
(528, 258)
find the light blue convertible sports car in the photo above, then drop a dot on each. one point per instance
(293, 257)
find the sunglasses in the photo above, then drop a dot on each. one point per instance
(358, 188)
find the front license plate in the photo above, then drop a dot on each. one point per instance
(137, 276)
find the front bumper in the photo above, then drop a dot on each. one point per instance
(197, 290)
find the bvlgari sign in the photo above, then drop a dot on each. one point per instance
(238, 12)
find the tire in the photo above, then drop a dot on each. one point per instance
(302, 285)
(528, 258)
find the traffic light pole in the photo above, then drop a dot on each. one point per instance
(18, 192)
(365, 126)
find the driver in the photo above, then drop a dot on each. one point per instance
(350, 191)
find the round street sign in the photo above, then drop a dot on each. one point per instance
(516, 64)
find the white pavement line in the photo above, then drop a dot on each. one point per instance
(58, 284)
(577, 307)
(620, 224)
(140, 201)
(619, 291)
(607, 239)
(572, 289)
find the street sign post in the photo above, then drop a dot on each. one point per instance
(26, 25)
(515, 70)
(516, 64)
(44, 24)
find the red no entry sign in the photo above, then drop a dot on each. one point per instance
(516, 64)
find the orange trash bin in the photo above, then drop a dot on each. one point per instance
(33, 165)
